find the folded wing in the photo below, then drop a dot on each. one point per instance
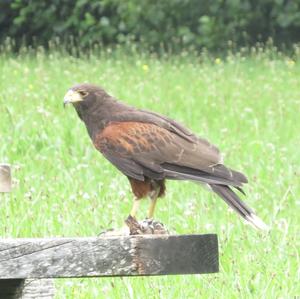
(149, 150)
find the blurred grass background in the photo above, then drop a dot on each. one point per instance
(247, 103)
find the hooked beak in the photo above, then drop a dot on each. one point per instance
(72, 97)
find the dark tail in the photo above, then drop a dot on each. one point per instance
(219, 179)
(240, 207)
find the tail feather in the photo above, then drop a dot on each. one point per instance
(240, 207)
(220, 179)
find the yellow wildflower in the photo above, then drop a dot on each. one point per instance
(290, 63)
(218, 61)
(145, 67)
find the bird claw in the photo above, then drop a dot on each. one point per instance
(145, 227)
(148, 226)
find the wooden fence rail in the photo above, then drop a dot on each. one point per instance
(108, 256)
(22, 259)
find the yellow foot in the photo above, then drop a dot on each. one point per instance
(135, 208)
(152, 207)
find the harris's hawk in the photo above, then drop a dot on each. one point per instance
(149, 148)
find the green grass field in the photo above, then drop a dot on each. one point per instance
(248, 105)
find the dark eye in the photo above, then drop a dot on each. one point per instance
(83, 93)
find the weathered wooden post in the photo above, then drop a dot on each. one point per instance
(27, 264)
(26, 289)
(21, 288)
(5, 178)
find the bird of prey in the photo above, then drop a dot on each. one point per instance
(149, 148)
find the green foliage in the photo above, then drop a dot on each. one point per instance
(169, 23)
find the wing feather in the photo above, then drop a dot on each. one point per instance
(145, 149)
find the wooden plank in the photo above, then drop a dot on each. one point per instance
(5, 178)
(27, 288)
(108, 256)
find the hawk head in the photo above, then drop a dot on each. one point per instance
(83, 95)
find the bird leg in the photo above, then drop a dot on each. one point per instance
(153, 199)
(152, 207)
(135, 207)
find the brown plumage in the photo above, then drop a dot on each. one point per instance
(150, 148)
